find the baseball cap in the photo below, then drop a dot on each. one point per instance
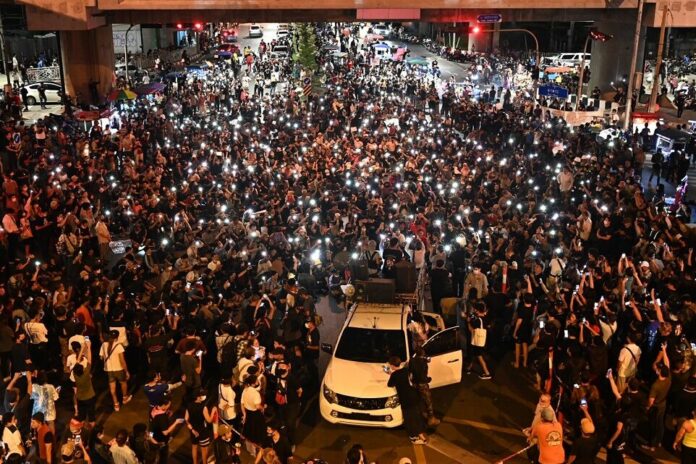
(587, 426)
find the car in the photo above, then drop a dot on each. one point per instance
(229, 35)
(280, 52)
(226, 51)
(255, 31)
(53, 92)
(571, 60)
(354, 389)
(283, 34)
(381, 29)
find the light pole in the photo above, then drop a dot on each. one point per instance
(634, 59)
(658, 62)
(599, 37)
(125, 49)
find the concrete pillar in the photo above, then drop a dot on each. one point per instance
(495, 37)
(611, 60)
(88, 58)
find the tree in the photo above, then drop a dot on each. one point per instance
(306, 48)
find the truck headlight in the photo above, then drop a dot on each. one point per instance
(330, 395)
(392, 402)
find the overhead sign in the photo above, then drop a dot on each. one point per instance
(553, 91)
(489, 18)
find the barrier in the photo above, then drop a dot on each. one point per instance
(47, 73)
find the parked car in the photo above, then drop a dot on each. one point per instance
(255, 31)
(225, 51)
(229, 35)
(381, 29)
(53, 92)
(571, 60)
(372, 334)
(280, 52)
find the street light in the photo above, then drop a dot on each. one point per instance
(597, 37)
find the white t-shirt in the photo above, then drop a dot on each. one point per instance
(226, 403)
(37, 332)
(112, 360)
(70, 363)
(627, 363)
(13, 440)
(251, 399)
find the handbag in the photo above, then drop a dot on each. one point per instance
(479, 336)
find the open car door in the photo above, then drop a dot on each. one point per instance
(446, 358)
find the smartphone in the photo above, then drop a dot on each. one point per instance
(576, 385)
(199, 352)
(386, 369)
(609, 371)
(541, 324)
(151, 435)
(58, 388)
(659, 302)
(168, 312)
(583, 402)
(78, 439)
(584, 320)
(565, 333)
(86, 338)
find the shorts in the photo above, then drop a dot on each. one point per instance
(116, 376)
(86, 409)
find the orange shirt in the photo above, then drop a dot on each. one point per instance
(85, 316)
(549, 437)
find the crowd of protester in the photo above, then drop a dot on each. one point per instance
(185, 250)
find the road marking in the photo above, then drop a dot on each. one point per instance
(420, 454)
(453, 451)
(483, 426)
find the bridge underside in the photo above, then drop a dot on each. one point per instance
(88, 14)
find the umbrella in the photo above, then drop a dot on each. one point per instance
(558, 69)
(152, 87)
(122, 94)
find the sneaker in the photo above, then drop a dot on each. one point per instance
(485, 377)
(117, 407)
(127, 399)
(418, 441)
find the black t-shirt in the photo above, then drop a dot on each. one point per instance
(585, 449)
(158, 425)
(408, 396)
(282, 448)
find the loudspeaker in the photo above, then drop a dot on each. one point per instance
(378, 291)
(359, 270)
(406, 277)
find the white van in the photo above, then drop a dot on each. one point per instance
(571, 60)
(354, 389)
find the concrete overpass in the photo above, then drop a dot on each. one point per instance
(87, 43)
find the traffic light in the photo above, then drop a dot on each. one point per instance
(474, 29)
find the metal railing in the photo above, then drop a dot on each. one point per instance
(47, 73)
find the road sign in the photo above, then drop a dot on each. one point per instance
(490, 18)
(553, 91)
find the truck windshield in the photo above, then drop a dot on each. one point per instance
(371, 345)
